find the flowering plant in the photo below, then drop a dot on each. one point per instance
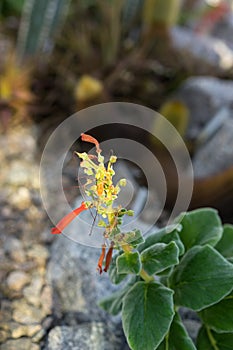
(100, 188)
(188, 264)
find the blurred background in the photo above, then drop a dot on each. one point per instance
(60, 56)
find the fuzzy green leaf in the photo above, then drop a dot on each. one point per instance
(114, 276)
(134, 238)
(202, 278)
(128, 263)
(159, 256)
(225, 245)
(147, 314)
(210, 340)
(177, 338)
(113, 303)
(200, 227)
(219, 317)
(164, 235)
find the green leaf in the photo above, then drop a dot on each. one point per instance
(159, 256)
(209, 340)
(202, 278)
(200, 227)
(134, 238)
(128, 263)
(177, 338)
(163, 236)
(225, 245)
(114, 276)
(113, 303)
(147, 314)
(219, 317)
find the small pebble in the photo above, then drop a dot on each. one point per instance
(17, 280)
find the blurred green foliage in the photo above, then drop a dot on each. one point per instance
(11, 7)
(39, 23)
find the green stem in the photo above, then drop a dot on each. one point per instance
(167, 342)
(211, 338)
(144, 275)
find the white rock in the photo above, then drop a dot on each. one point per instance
(38, 253)
(26, 314)
(88, 336)
(17, 280)
(32, 292)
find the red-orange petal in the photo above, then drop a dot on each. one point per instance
(91, 139)
(68, 218)
(101, 259)
(108, 258)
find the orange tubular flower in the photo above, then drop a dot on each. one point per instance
(101, 259)
(108, 257)
(91, 139)
(100, 188)
(68, 218)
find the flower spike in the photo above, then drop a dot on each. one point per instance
(68, 218)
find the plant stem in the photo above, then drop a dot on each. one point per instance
(211, 338)
(144, 275)
(126, 248)
(167, 342)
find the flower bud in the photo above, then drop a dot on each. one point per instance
(113, 159)
(122, 182)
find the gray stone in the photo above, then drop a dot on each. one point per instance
(76, 285)
(38, 336)
(202, 53)
(21, 198)
(46, 299)
(26, 314)
(192, 327)
(4, 335)
(6, 313)
(216, 154)
(224, 29)
(191, 322)
(88, 336)
(32, 292)
(19, 344)
(19, 330)
(17, 280)
(204, 96)
(18, 140)
(22, 173)
(14, 248)
(39, 254)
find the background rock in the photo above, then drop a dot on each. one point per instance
(204, 96)
(88, 336)
(20, 344)
(216, 154)
(201, 54)
(17, 280)
(224, 30)
(76, 285)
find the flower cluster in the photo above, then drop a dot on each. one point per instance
(99, 187)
